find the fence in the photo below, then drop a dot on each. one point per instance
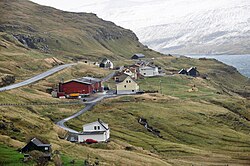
(33, 104)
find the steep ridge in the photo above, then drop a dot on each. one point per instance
(70, 35)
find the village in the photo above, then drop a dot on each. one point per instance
(90, 90)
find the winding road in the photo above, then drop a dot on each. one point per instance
(88, 106)
(36, 78)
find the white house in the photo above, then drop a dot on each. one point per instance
(97, 130)
(149, 71)
(130, 72)
(126, 85)
(106, 63)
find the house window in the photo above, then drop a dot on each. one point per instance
(125, 86)
(144, 73)
(133, 90)
(129, 81)
(94, 127)
(98, 127)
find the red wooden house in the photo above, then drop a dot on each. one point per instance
(85, 85)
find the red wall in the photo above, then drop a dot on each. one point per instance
(76, 87)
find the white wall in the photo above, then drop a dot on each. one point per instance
(98, 137)
(128, 86)
(149, 71)
(91, 127)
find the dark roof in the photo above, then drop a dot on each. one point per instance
(85, 80)
(92, 132)
(101, 122)
(121, 77)
(37, 142)
(138, 55)
(183, 71)
(191, 68)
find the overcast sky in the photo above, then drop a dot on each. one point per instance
(134, 14)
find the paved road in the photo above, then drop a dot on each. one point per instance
(88, 106)
(36, 78)
(108, 77)
(111, 75)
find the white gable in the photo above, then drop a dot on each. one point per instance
(95, 126)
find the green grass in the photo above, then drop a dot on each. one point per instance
(10, 156)
(80, 36)
(196, 125)
(178, 86)
(66, 160)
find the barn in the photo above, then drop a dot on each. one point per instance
(192, 71)
(138, 56)
(36, 144)
(85, 85)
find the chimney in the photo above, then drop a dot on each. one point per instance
(62, 80)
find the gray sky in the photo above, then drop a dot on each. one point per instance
(134, 14)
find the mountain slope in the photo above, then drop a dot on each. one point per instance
(219, 31)
(183, 26)
(70, 35)
(202, 121)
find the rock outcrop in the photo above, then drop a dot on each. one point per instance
(7, 80)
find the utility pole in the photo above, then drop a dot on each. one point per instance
(160, 87)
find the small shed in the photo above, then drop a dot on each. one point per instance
(36, 144)
(192, 71)
(183, 71)
(138, 56)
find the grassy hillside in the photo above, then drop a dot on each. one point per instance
(206, 126)
(199, 127)
(202, 121)
(65, 34)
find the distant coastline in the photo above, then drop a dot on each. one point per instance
(241, 62)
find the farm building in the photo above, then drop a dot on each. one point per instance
(192, 71)
(126, 85)
(138, 56)
(106, 63)
(149, 71)
(85, 85)
(98, 131)
(36, 144)
(183, 71)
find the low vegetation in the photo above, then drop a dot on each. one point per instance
(202, 121)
